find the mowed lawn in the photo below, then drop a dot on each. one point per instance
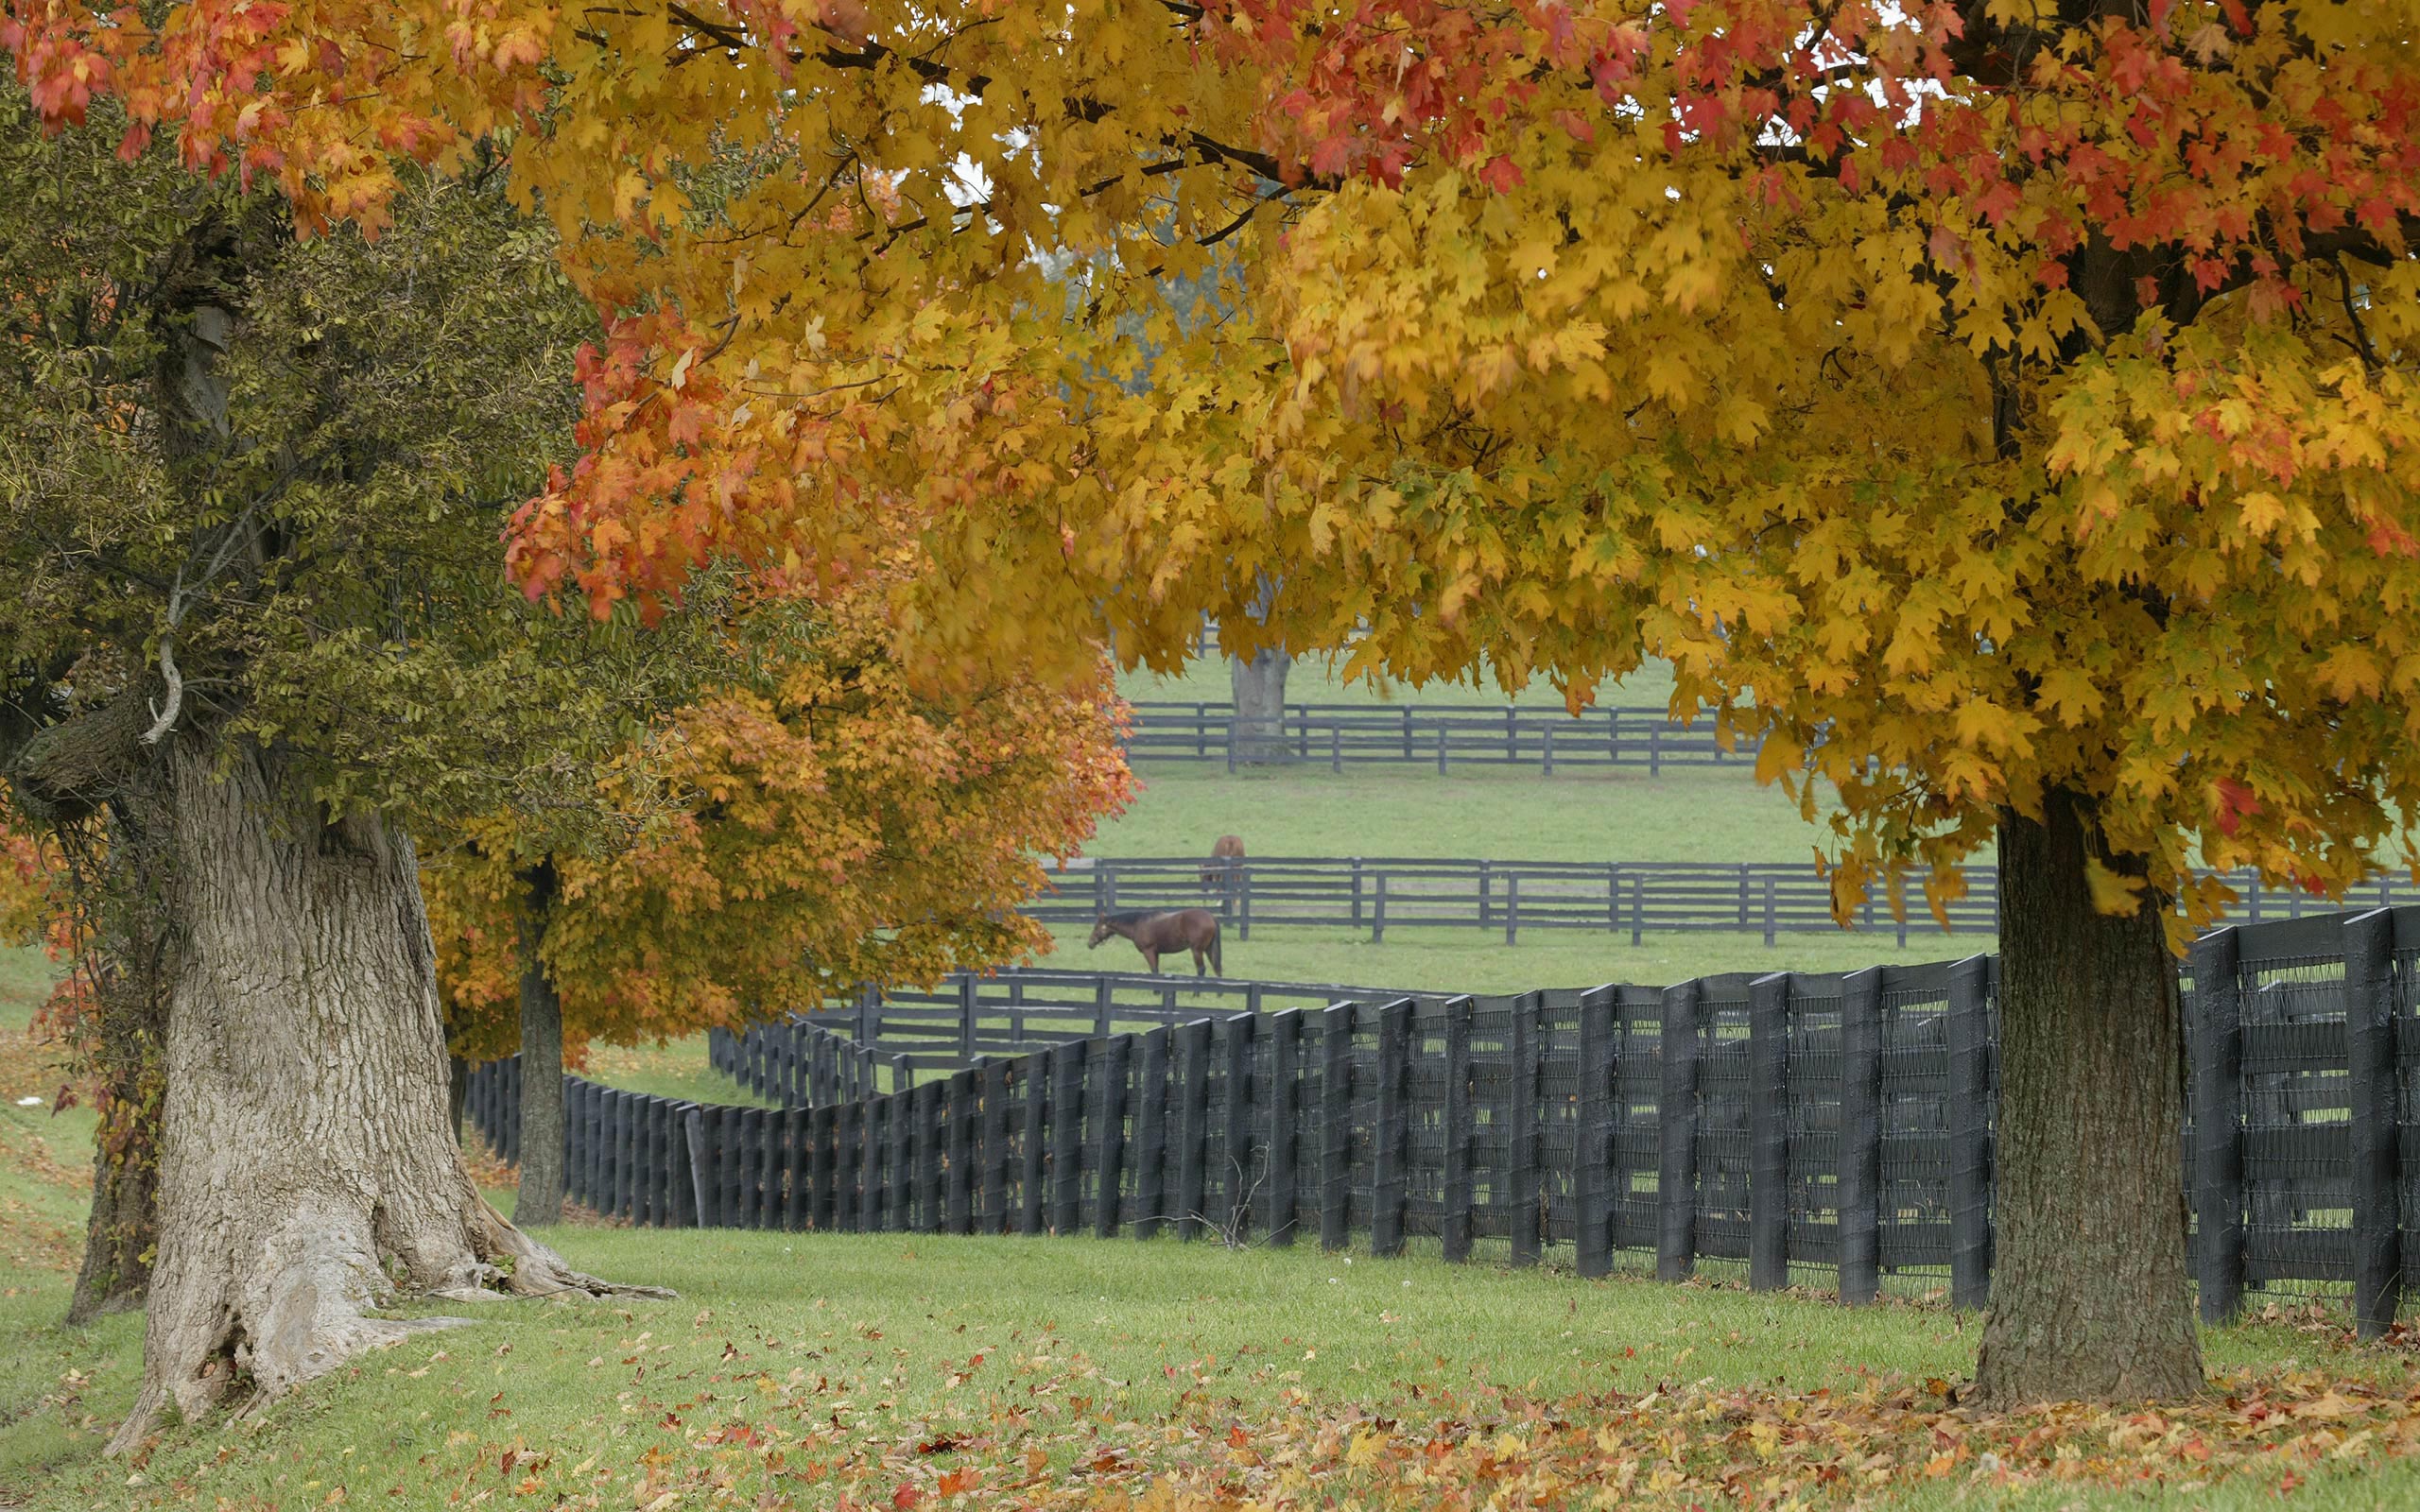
(899, 1371)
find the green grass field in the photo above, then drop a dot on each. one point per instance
(799, 1371)
(826, 1371)
(1686, 814)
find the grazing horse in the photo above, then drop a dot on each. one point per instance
(1160, 934)
(1223, 857)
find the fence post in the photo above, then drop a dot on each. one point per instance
(1970, 1138)
(1151, 1136)
(1102, 1004)
(1335, 747)
(1391, 1151)
(1454, 1225)
(882, 1168)
(995, 1148)
(701, 1193)
(1550, 757)
(1285, 1123)
(2217, 1047)
(1441, 729)
(823, 1125)
(1193, 1129)
(968, 1007)
(1243, 899)
(2375, 1165)
(1592, 1145)
(1068, 1140)
(929, 1213)
(1407, 733)
(729, 1129)
(1637, 908)
(1356, 892)
(1378, 917)
(1860, 1143)
(1769, 1130)
(1768, 913)
(903, 1144)
(956, 1207)
(1032, 1197)
(1236, 1036)
(848, 1167)
(1486, 889)
(1521, 1134)
(1676, 1184)
(1336, 1125)
(1109, 1135)
(1512, 908)
(1654, 751)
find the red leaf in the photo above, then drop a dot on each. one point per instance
(2235, 804)
(906, 1497)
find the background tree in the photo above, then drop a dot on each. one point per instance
(811, 826)
(2005, 408)
(814, 823)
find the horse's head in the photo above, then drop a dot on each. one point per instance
(1101, 932)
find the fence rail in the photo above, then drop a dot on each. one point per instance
(1639, 898)
(1443, 735)
(1809, 1126)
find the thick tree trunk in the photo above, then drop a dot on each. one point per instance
(1259, 684)
(305, 1172)
(457, 1092)
(540, 1199)
(2089, 1296)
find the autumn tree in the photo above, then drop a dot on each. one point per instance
(815, 823)
(250, 489)
(2003, 409)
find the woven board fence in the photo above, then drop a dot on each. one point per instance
(1800, 1128)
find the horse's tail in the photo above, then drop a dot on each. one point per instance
(1215, 966)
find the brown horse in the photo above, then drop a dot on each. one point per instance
(1161, 934)
(1223, 857)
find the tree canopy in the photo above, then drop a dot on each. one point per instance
(810, 825)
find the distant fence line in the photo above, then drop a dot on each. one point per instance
(1445, 735)
(1815, 1126)
(1641, 898)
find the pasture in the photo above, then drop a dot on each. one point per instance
(861, 1372)
(906, 1371)
(1686, 814)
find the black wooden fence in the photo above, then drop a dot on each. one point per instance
(1817, 1128)
(1639, 898)
(1442, 735)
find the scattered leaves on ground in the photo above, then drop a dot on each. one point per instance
(1025, 1425)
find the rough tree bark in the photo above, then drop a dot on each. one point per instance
(2089, 1298)
(1259, 684)
(540, 1200)
(306, 1179)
